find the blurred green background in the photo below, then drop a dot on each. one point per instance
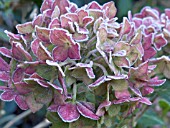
(13, 12)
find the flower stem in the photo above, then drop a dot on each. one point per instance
(74, 92)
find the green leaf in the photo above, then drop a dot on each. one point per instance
(163, 91)
(114, 110)
(47, 72)
(150, 118)
(56, 120)
(165, 106)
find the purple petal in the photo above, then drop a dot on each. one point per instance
(159, 41)
(5, 52)
(30, 70)
(136, 39)
(60, 54)
(20, 101)
(7, 96)
(147, 41)
(43, 34)
(100, 111)
(120, 101)
(110, 9)
(147, 21)
(4, 65)
(25, 28)
(68, 112)
(84, 111)
(145, 101)
(62, 82)
(74, 52)
(65, 22)
(18, 75)
(4, 76)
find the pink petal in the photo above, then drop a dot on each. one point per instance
(147, 41)
(68, 112)
(100, 111)
(4, 76)
(87, 21)
(7, 96)
(43, 34)
(65, 21)
(55, 23)
(30, 70)
(55, 13)
(62, 6)
(167, 12)
(56, 87)
(42, 53)
(80, 37)
(145, 101)
(90, 73)
(136, 39)
(46, 5)
(74, 52)
(94, 5)
(135, 90)
(35, 46)
(81, 14)
(62, 82)
(122, 94)
(38, 20)
(156, 82)
(12, 35)
(147, 90)
(25, 28)
(23, 88)
(126, 28)
(149, 53)
(18, 75)
(53, 108)
(60, 37)
(137, 21)
(4, 65)
(84, 111)
(19, 53)
(60, 53)
(110, 9)
(120, 101)
(21, 102)
(98, 82)
(5, 52)
(147, 21)
(159, 41)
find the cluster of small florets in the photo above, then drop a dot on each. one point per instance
(80, 61)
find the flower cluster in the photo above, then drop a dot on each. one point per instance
(81, 61)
